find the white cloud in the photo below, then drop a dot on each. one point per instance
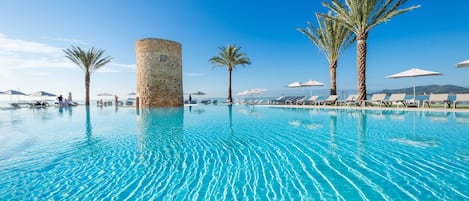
(126, 66)
(193, 74)
(20, 54)
(68, 40)
(15, 45)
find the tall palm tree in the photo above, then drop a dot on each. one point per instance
(230, 56)
(88, 61)
(360, 16)
(332, 38)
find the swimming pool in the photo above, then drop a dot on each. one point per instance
(229, 153)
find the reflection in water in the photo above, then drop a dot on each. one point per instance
(333, 127)
(361, 117)
(230, 117)
(411, 138)
(160, 129)
(88, 127)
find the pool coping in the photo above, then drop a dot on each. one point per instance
(371, 108)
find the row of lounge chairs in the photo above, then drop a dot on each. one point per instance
(303, 100)
(376, 99)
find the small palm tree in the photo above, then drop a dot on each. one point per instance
(360, 16)
(230, 56)
(88, 61)
(332, 38)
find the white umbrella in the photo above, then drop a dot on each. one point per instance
(199, 93)
(294, 85)
(12, 92)
(414, 72)
(243, 93)
(463, 64)
(105, 94)
(257, 91)
(41, 94)
(311, 83)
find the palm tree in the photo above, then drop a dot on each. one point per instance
(230, 56)
(332, 38)
(89, 62)
(360, 16)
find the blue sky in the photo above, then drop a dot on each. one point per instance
(33, 34)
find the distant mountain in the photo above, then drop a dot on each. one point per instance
(422, 90)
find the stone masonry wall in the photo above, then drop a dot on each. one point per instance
(159, 73)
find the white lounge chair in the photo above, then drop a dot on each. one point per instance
(375, 99)
(438, 98)
(460, 98)
(395, 98)
(311, 100)
(331, 100)
(350, 100)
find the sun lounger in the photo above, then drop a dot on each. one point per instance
(279, 100)
(437, 98)
(350, 100)
(311, 100)
(375, 99)
(294, 99)
(395, 98)
(461, 98)
(15, 106)
(332, 99)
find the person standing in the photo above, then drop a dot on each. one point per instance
(60, 99)
(116, 100)
(190, 99)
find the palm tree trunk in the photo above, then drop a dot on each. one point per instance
(361, 68)
(87, 88)
(229, 85)
(333, 73)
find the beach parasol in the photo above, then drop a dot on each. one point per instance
(257, 91)
(311, 83)
(41, 94)
(199, 93)
(414, 72)
(463, 64)
(132, 94)
(243, 93)
(294, 85)
(12, 92)
(105, 94)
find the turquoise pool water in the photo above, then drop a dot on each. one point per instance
(232, 153)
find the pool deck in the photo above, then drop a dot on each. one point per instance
(426, 109)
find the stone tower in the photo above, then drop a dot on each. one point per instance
(159, 73)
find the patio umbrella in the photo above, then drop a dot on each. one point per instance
(463, 64)
(41, 94)
(12, 92)
(199, 93)
(294, 85)
(257, 91)
(105, 94)
(414, 72)
(243, 93)
(132, 94)
(311, 83)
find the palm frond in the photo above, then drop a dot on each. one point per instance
(89, 61)
(331, 36)
(230, 56)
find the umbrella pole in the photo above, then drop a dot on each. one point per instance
(414, 87)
